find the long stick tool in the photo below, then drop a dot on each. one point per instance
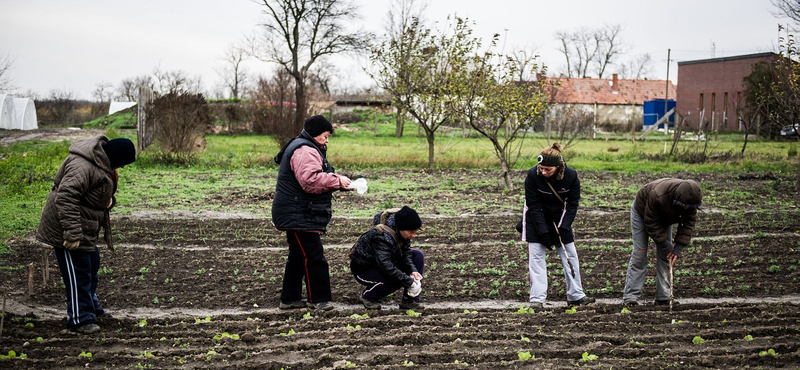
(571, 270)
(671, 289)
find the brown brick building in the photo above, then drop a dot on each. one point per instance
(712, 89)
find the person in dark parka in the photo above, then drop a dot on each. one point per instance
(552, 195)
(302, 208)
(659, 205)
(76, 210)
(383, 261)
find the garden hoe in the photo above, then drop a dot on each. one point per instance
(571, 270)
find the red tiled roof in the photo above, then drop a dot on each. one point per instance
(595, 90)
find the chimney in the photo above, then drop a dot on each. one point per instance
(614, 82)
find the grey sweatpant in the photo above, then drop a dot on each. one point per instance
(637, 266)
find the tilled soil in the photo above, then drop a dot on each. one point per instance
(195, 289)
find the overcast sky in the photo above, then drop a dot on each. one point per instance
(76, 44)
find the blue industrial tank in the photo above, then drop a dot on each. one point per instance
(654, 110)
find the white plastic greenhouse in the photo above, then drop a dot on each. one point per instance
(17, 113)
(117, 106)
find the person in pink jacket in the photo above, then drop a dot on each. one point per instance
(302, 208)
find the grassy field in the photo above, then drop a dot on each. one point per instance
(27, 168)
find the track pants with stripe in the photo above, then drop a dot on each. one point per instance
(306, 262)
(378, 286)
(79, 273)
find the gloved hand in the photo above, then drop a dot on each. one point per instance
(415, 289)
(72, 245)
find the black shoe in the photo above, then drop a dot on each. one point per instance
(665, 302)
(410, 304)
(292, 305)
(583, 301)
(370, 305)
(324, 306)
(630, 302)
(88, 329)
(536, 305)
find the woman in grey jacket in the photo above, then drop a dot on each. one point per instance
(76, 210)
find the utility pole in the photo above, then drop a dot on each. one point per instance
(666, 94)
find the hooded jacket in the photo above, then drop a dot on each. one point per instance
(543, 211)
(82, 194)
(375, 249)
(656, 203)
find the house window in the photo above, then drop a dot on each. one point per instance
(725, 111)
(700, 106)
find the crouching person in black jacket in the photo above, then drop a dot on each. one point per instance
(382, 260)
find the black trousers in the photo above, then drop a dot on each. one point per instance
(306, 262)
(79, 273)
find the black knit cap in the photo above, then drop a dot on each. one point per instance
(316, 125)
(407, 219)
(120, 152)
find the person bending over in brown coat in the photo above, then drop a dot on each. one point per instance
(75, 211)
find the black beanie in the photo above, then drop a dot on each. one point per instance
(120, 152)
(407, 219)
(316, 125)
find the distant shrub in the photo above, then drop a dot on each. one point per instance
(181, 122)
(346, 117)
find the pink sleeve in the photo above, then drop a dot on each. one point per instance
(307, 166)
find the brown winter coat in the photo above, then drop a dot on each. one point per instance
(655, 203)
(82, 194)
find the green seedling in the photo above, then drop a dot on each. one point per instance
(748, 337)
(307, 315)
(142, 323)
(525, 339)
(146, 354)
(12, 354)
(408, 363)
(207, 319)
(571, 310)
(290, 332)
(349, 364)
(226, 336)
(586, 357)
(356, 316)
(85, 354)
(625, 310)
(698, 340)
(525, 355)
(468, 311)
(770, 352)
(523, 310)
(29, 325)
(351, 327)
(413, 313)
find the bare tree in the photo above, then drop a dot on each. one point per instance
(176, 82)
(787, 9)
(638, 68)
(588, 48)
(103, 92)
(321, 76)
(299, 32)
(525, 59)
(233, 74)
(6, 65)
(402, 16)
(128, 89)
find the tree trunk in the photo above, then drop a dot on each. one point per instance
(400, 122)
(300, 102)
(429, 137)
(506, 172)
